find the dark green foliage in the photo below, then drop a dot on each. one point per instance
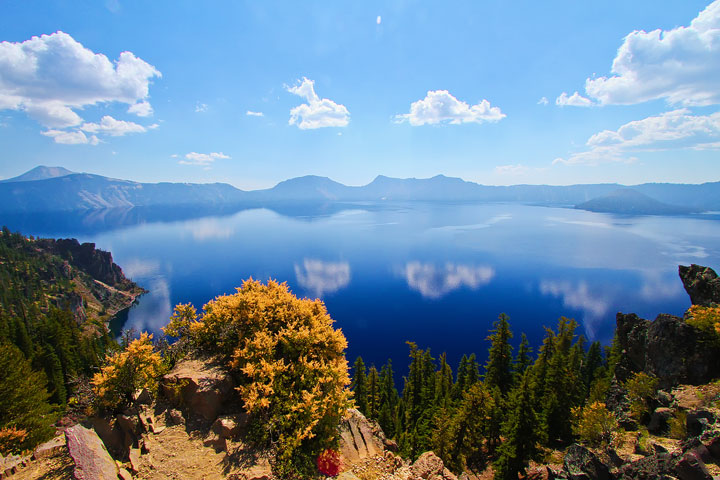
(523, 360)
(522, 434)
(498, 370)
(33, 282)
(373, 393)
(593, 367)
(470, 428)
(389, 399)
(24, 400)
(359, 386)
(444, 384)
(418, 401)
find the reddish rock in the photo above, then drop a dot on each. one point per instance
(92, 461)
(430, 467)
(229, 426)
(359, 438)
(202, 386)
(50, 448)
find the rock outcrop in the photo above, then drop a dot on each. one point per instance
(701, 283)
(359, 438)
(582, 464)
(668, 348)
(202, 387)
(92, 461)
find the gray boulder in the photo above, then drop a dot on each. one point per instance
(582, 464)
(701, 283)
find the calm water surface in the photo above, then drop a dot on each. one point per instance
(438, 275)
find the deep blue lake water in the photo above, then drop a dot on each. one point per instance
(438, 275)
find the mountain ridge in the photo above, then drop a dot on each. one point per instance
(42, 192)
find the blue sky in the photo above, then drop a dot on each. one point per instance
(252, 93)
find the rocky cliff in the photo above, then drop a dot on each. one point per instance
(668, 347)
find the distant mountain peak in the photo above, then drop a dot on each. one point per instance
(41, 172)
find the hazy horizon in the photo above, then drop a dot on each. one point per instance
(365, 184)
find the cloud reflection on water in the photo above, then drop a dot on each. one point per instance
(320, 277)
(435, 282)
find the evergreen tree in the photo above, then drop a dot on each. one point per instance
(373, 393)
(522, 362)
(24, 401)
(417, 399)
(593, 363)
(444, 383)
(498, 370)
(521, 432)
(462, 378)
(359, 386)
(562, 384)
(470, 429)
(389, 399)
(473, 371)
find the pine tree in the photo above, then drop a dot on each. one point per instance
(462, 378)
(522, 434)
(522, 362)
(444, 383)
(593, 362)
(389, 399)
(470, 429)
(498, 370)
(359, 386)
(373, 393)
(24, 400)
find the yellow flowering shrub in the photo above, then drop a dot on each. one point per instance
(706, 319)
(137, 367)
(290, 361)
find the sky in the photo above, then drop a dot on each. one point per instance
(255, 92)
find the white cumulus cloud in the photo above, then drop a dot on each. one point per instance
(674, 130)
(51, 76)
(439, 106)
(250, 113)
(437, 281)
(318, 112)
(110, 126)
(320, 277)
(205, 159)
(141, 109)
(543, 101)
(681, 65)
(574, 100)
(71, 137)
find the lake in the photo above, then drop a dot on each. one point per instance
(435, 274)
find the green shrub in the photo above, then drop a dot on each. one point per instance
(641, 389)
(678, 425)
(594, 424)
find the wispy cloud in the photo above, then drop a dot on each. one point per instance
(675, 130)
(204, 159)
(250, 113)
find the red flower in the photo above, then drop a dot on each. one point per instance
(329, 462)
